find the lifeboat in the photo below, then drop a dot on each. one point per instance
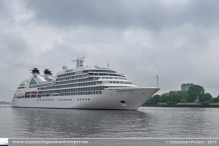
(34, 93)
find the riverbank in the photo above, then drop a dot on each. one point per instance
(209, 105)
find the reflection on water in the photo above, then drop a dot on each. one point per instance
(77, 123)
(146, 122)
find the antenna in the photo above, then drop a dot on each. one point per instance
(108, 64)
(79, 61)
(73, 60)
(157, 80)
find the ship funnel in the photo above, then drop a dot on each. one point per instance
(47, 72)
(35, 71)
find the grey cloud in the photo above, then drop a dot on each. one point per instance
(201, 12)
(17, 64)
(142, 39)
(4, 12)
(12, 43)
(120, 14)
(74, 13)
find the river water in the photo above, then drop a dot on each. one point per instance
(146, 122)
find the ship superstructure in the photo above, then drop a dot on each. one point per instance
(82, 87)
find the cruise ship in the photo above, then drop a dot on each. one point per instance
(83, 87)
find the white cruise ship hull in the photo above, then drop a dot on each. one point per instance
(119, 99)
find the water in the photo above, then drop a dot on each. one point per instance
(150, 122)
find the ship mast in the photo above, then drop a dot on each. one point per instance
(79, 61)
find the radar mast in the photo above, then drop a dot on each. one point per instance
(79, 61)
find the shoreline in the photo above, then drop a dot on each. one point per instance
(204, 105)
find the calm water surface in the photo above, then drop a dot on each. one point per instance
(152, 122)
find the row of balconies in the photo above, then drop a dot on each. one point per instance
(71, 90)
(85, 80)
(70, 85)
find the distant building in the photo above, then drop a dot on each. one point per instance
(185, 86)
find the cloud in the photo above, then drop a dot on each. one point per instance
(154, 15)
(4, 12)
(17, 64)
(176, 40)
(12, 43)
(149, 69)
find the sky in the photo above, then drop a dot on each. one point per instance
(178, 40)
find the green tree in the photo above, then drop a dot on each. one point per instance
(156, 98)
(194, 92)
(151, 99)
(205, 97)
(185, 95)
(216, 99)
(172, 96)
(182, 100)
(164, 97)
(180, 95)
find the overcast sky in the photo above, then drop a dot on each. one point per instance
(178, 40)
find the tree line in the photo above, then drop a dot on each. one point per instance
(195, 92)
